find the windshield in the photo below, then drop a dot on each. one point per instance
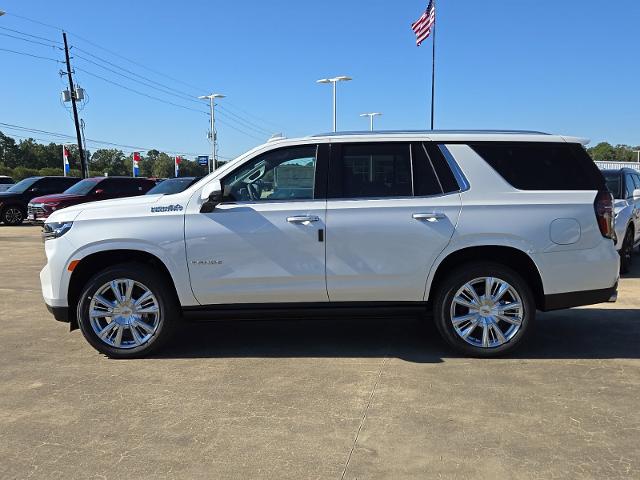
(23, 185)
(614, 183)
(172, 185)
(83, 186)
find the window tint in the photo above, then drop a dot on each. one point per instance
(629, 185)
(5, 181)
(613, 181)
(283, 174)
(425, 181)
(438, 154)
(52, 185)
(108, 186)
(375, 170)
(542, 166)
(637, 180)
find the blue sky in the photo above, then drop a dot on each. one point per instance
(564, 66)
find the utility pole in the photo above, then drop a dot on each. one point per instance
(213, 137)
(83, 161)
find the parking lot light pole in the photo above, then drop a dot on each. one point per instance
(370, 115)
(334, 81)
(637, 152)
(213, 137)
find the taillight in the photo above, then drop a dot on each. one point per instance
(603, 206)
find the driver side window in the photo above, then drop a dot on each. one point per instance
(283, 174)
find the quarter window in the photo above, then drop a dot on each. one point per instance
(629, 185)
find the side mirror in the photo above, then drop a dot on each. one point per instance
(34, 189)
(211, 195)
(636, 194)
(99, 191)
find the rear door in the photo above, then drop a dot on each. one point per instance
(388, 218)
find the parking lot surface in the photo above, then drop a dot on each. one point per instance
(352, 399)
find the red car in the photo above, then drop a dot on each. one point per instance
(88, 190)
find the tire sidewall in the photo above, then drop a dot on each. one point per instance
(462, 275)
(150, 279)
(6, 209)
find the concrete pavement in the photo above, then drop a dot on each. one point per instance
(365, 399)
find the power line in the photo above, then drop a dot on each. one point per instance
(31, 35)
(141, 93)
(30, 55)
(186, 95)
(30, 41)
(62, 136)
(181, 96)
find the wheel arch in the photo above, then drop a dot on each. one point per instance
(508, 256)
(95, 262)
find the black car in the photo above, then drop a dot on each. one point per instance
(173, 185)
(13, 202)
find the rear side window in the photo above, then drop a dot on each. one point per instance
(5, 181)
(542, 166)
(375, 170)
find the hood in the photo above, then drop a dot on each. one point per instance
(58, 197)
(7, 195)
(117, 207)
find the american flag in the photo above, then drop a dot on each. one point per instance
(423, 26)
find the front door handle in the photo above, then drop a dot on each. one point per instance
(303, 219)
(429, 217)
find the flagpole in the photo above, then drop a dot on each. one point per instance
(433, 67)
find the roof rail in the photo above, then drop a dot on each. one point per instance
(428, 132)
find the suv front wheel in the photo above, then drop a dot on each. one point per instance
(12, 215)
(484, 309)
(127, 311)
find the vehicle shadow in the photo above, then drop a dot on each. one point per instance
(585, 333)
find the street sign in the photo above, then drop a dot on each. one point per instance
(203, 160)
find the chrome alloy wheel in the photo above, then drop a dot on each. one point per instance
(487, 312)
(124, 313)
(13, 215)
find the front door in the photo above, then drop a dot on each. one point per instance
(265, 242)
(388, 218)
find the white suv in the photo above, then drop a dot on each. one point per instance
(479, 228)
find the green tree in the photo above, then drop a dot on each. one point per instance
(8, 151)
(111, 161)
(163, 166)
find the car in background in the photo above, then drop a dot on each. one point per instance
(6, 183)
(88, 190)
(173, 185)
(624, 185)
(14, 201)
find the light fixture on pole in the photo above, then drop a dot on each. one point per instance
(213, 137)
(370, 115)
(2, 12)
(334, 81)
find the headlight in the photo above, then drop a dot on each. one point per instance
(55, 230)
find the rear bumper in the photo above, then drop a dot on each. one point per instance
(558, 301)
(61, 314)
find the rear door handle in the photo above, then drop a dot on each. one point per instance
(430, 217)
(303, 219)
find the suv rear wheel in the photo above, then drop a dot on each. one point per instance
(626, 251)
(12, 215)
(127, 311)
(484, 309)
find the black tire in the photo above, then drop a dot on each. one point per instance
(165, 298)
(12, 215)
(626, 251)
(444, 303)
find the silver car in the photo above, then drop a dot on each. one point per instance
(624, 184)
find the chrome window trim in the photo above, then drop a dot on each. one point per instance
(463, 183)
